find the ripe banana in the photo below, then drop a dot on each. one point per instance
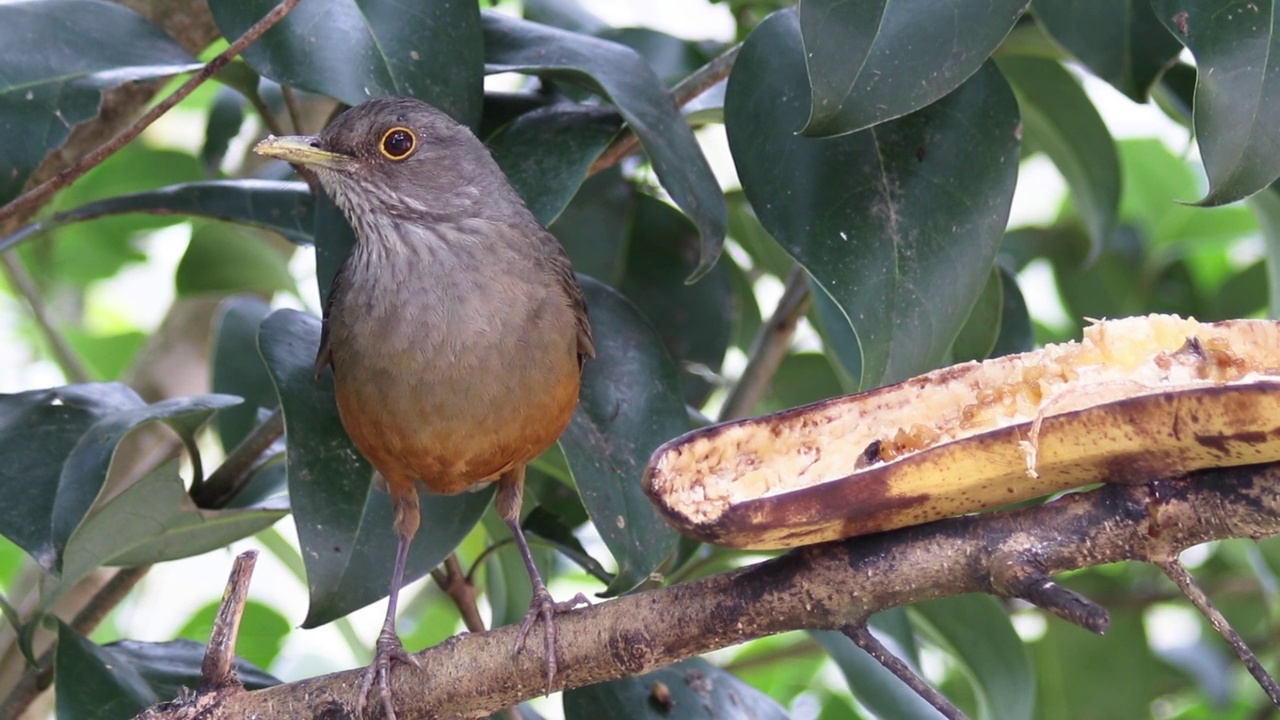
(1136, 399)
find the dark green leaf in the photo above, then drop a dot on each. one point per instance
(58, 58)
(284, 207)
(899, 223)
(353, 50)
(1061, 120)
(1120, 41)
(38, 430)
(694, 320)
(838, 339)
(344, 523)
(1017, 334)
(975, 630)
(595, 227)
(104, 688)
(872, 685)
(564, 14)
(624, 77)
(690, 690)
(226, 115)
(115, 533)
(1236, 45)
(262, 630)
(978, 335)
(237, 367)
(671, 57)
(86, 468)
(121, 679)
(224, 259)
(745, 227)
(869, 62)
(546, 153)
(629, 405)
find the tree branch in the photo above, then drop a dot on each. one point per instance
(830, 586)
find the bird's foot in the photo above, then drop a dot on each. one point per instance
(544, 607)
(387, 653)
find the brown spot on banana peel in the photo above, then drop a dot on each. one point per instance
(1141, 398)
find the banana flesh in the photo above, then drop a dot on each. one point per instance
(1136, 399)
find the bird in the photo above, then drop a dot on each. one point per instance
(455, 329)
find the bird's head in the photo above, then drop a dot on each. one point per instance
(398, 157)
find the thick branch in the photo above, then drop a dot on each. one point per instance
(825, 586)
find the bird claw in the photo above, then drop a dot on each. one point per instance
(387, 653)
(545, 607)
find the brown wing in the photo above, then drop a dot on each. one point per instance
(324, 354)
(573, 291)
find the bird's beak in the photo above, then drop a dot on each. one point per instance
(302, 150)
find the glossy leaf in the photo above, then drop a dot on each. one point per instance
(344, 523)
(546, 153)
(38, 430)
(284, 207)
(873, 686)
(58, 58)
(629, 405)
(693, 320)
(869, 62)
(672, 58)
(978, 334)
(354, 51)
(745, 227)
(900, 223)
(620, 74)
(154, 520)
(85, 470)
(119, 680)
(1120, 41)
(1058, 118)
(1237, 50)
(975, 630)
(595, 226)
(802, 378)
(238, 368)
(1017, 334)
(690, 690)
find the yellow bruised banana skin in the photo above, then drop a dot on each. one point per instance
(1136, 399)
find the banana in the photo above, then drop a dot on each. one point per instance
(1135, 399)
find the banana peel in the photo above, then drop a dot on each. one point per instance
(1135, 399)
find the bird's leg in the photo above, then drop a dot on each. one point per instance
(510, 497)
(388, 650)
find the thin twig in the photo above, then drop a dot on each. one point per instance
(40, 194)
(698, 82)
(1197, 596)
(72, 367)
(862, 637)
(769, 347)
(218, 671)
(237, 469)
(458, 587)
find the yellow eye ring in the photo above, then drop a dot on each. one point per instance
(398, 143)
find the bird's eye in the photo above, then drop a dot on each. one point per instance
(398, 143)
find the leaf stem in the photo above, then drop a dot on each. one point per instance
(697, 82)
